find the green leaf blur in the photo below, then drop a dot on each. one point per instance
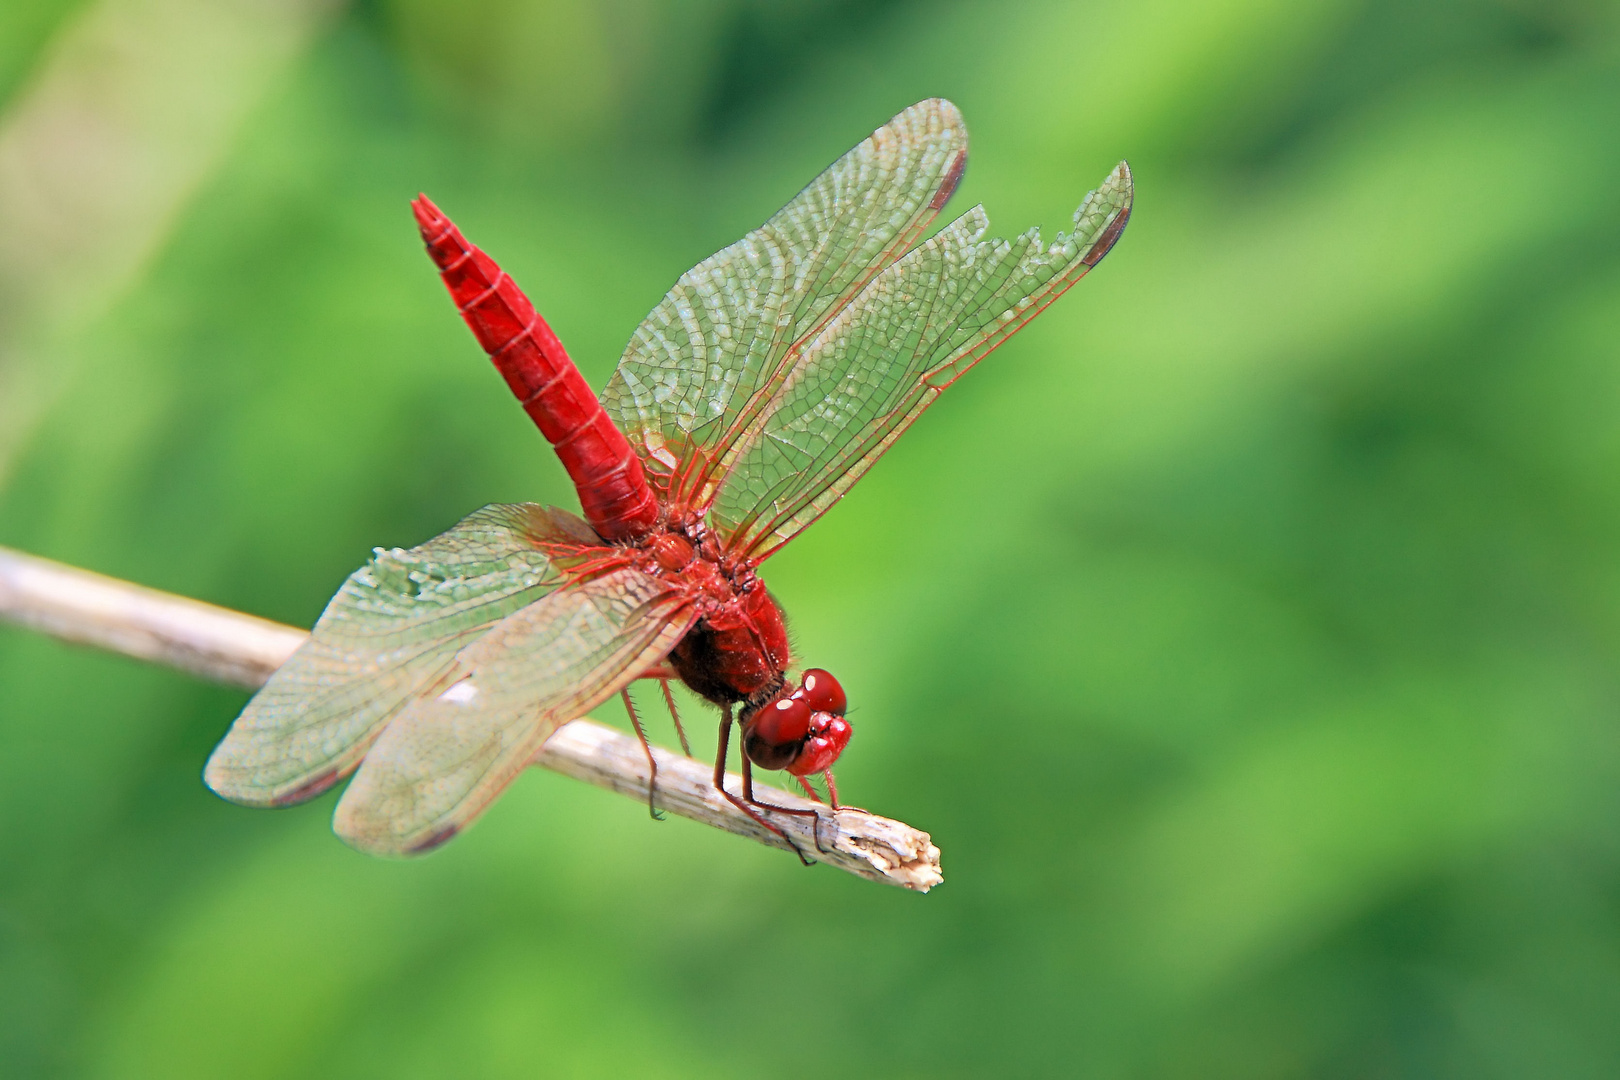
(1245, 631)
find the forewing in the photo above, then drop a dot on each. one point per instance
(701, 365)
(394, 626)
(888, 354)
(448, 753)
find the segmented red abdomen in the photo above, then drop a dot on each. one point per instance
(613, 490)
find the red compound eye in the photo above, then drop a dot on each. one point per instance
(773, 735)
(822, 693)
(786, 720)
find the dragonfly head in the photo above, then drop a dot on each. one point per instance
(802, 732)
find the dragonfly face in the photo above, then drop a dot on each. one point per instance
(803, 731)
(768, 380)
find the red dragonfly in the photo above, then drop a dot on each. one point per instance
(770, 378)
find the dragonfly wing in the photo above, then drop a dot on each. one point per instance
(394, 626)
(450, 751)
(707, 358)
(914, 330)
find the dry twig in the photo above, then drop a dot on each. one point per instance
(243, 650)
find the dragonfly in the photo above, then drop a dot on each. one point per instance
(768, 380)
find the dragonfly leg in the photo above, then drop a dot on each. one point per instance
(748, 793)
(748, 786)
(832, 794)
(652, 764)
(675, 715)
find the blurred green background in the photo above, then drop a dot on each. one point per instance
(1245, 632)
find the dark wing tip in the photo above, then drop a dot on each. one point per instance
(225, 782)
(307, 790)
(438, 837)
(1110, 236)
(953, 177)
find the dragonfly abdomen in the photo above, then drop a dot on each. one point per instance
(613, 490)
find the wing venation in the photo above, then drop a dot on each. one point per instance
(452, 749)
(706, 360)
(394, 626)
(884, 358)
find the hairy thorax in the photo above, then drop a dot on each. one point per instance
(738, 651)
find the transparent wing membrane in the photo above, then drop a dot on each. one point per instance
(765, 384)
(392, 628)
(705, 361)
(884, 358)
(450, 752)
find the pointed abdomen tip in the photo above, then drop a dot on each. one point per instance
(428, 217)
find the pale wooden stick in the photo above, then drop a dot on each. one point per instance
(76, 605)
(228, 646)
